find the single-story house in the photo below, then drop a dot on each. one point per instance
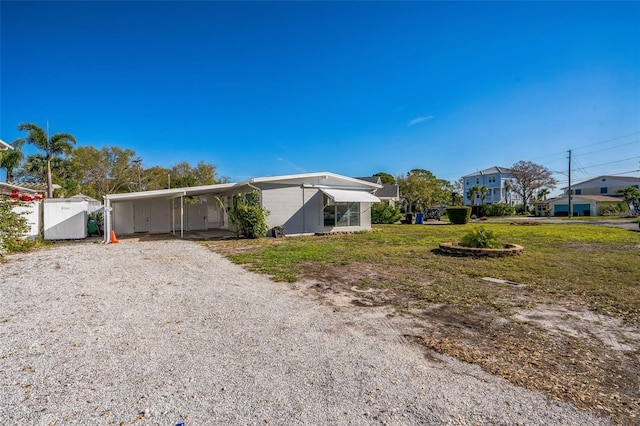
(303, 204)
(585, 205)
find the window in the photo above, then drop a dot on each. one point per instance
(477, 181)
(578, 191)
(603, 190)
(634, 186)
(341, 214)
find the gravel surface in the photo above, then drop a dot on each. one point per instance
(167, 332)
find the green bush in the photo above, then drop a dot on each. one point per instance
(383, 213)
(459, 215)
(520, 209)
(247, 216)
(13, 227)
(480, 238)
(498, 209)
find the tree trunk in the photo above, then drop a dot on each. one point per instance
(49, 180)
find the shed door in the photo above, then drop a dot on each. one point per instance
(141, 217)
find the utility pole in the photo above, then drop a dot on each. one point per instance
(137, 162)
(570, 209)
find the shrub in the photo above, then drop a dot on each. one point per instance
(247, 216)
(498, 209)
(520, 209)
(13, 227)
(480, 238)
(383, 213)
(459, 215)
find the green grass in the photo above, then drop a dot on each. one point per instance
(592, 265)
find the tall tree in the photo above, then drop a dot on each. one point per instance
(386, 178)
(528, 177)
(420, 188)
(184, 175)
(11, 159)
(456, 192)
(631, 196)
(53, 147)
(105, 171)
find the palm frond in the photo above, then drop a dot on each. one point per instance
(35, 135)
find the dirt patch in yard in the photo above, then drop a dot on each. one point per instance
(570, 353)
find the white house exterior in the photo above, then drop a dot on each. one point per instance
(585, 205)
(603, 185)
(495, 179)
(303, 204)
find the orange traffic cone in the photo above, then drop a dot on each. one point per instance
(114, 240)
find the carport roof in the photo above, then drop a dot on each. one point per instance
(171, 193)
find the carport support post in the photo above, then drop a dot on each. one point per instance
(182, 216)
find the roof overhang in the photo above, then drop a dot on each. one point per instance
(171, 193)
(10, 187)
(4, 146)
(350, 196)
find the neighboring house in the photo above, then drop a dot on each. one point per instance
(4, 146)
(33, 187)
(603, 185)
(6, 189)
(495, 179)
(32, 211)
(388, 194)
(303, 204)
(585, 205)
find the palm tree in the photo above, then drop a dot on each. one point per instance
(10, 160)
(471, 194)
(542, 194)
(53, 147)
(483, 191)
(508, 187)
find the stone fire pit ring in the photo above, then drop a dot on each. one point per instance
(458, 250)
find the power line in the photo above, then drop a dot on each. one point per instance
(608, 140)
(612, 147)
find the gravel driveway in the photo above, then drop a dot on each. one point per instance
(167, 332)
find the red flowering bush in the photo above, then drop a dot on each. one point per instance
(14, 226)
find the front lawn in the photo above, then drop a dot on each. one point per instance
(578, 268)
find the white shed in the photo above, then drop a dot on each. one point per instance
(65, 219)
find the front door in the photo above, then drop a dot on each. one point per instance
(141, 217)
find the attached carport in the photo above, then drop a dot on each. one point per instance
(166, 210)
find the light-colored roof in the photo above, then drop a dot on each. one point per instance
(172, 193)
(348, 182)
(302, 176)
(490, 171)
(4, 146)
(631, 179)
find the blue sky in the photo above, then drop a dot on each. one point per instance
(273, 88)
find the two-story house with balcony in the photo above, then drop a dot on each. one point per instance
(498, 182)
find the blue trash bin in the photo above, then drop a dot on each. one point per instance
(419, 218)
